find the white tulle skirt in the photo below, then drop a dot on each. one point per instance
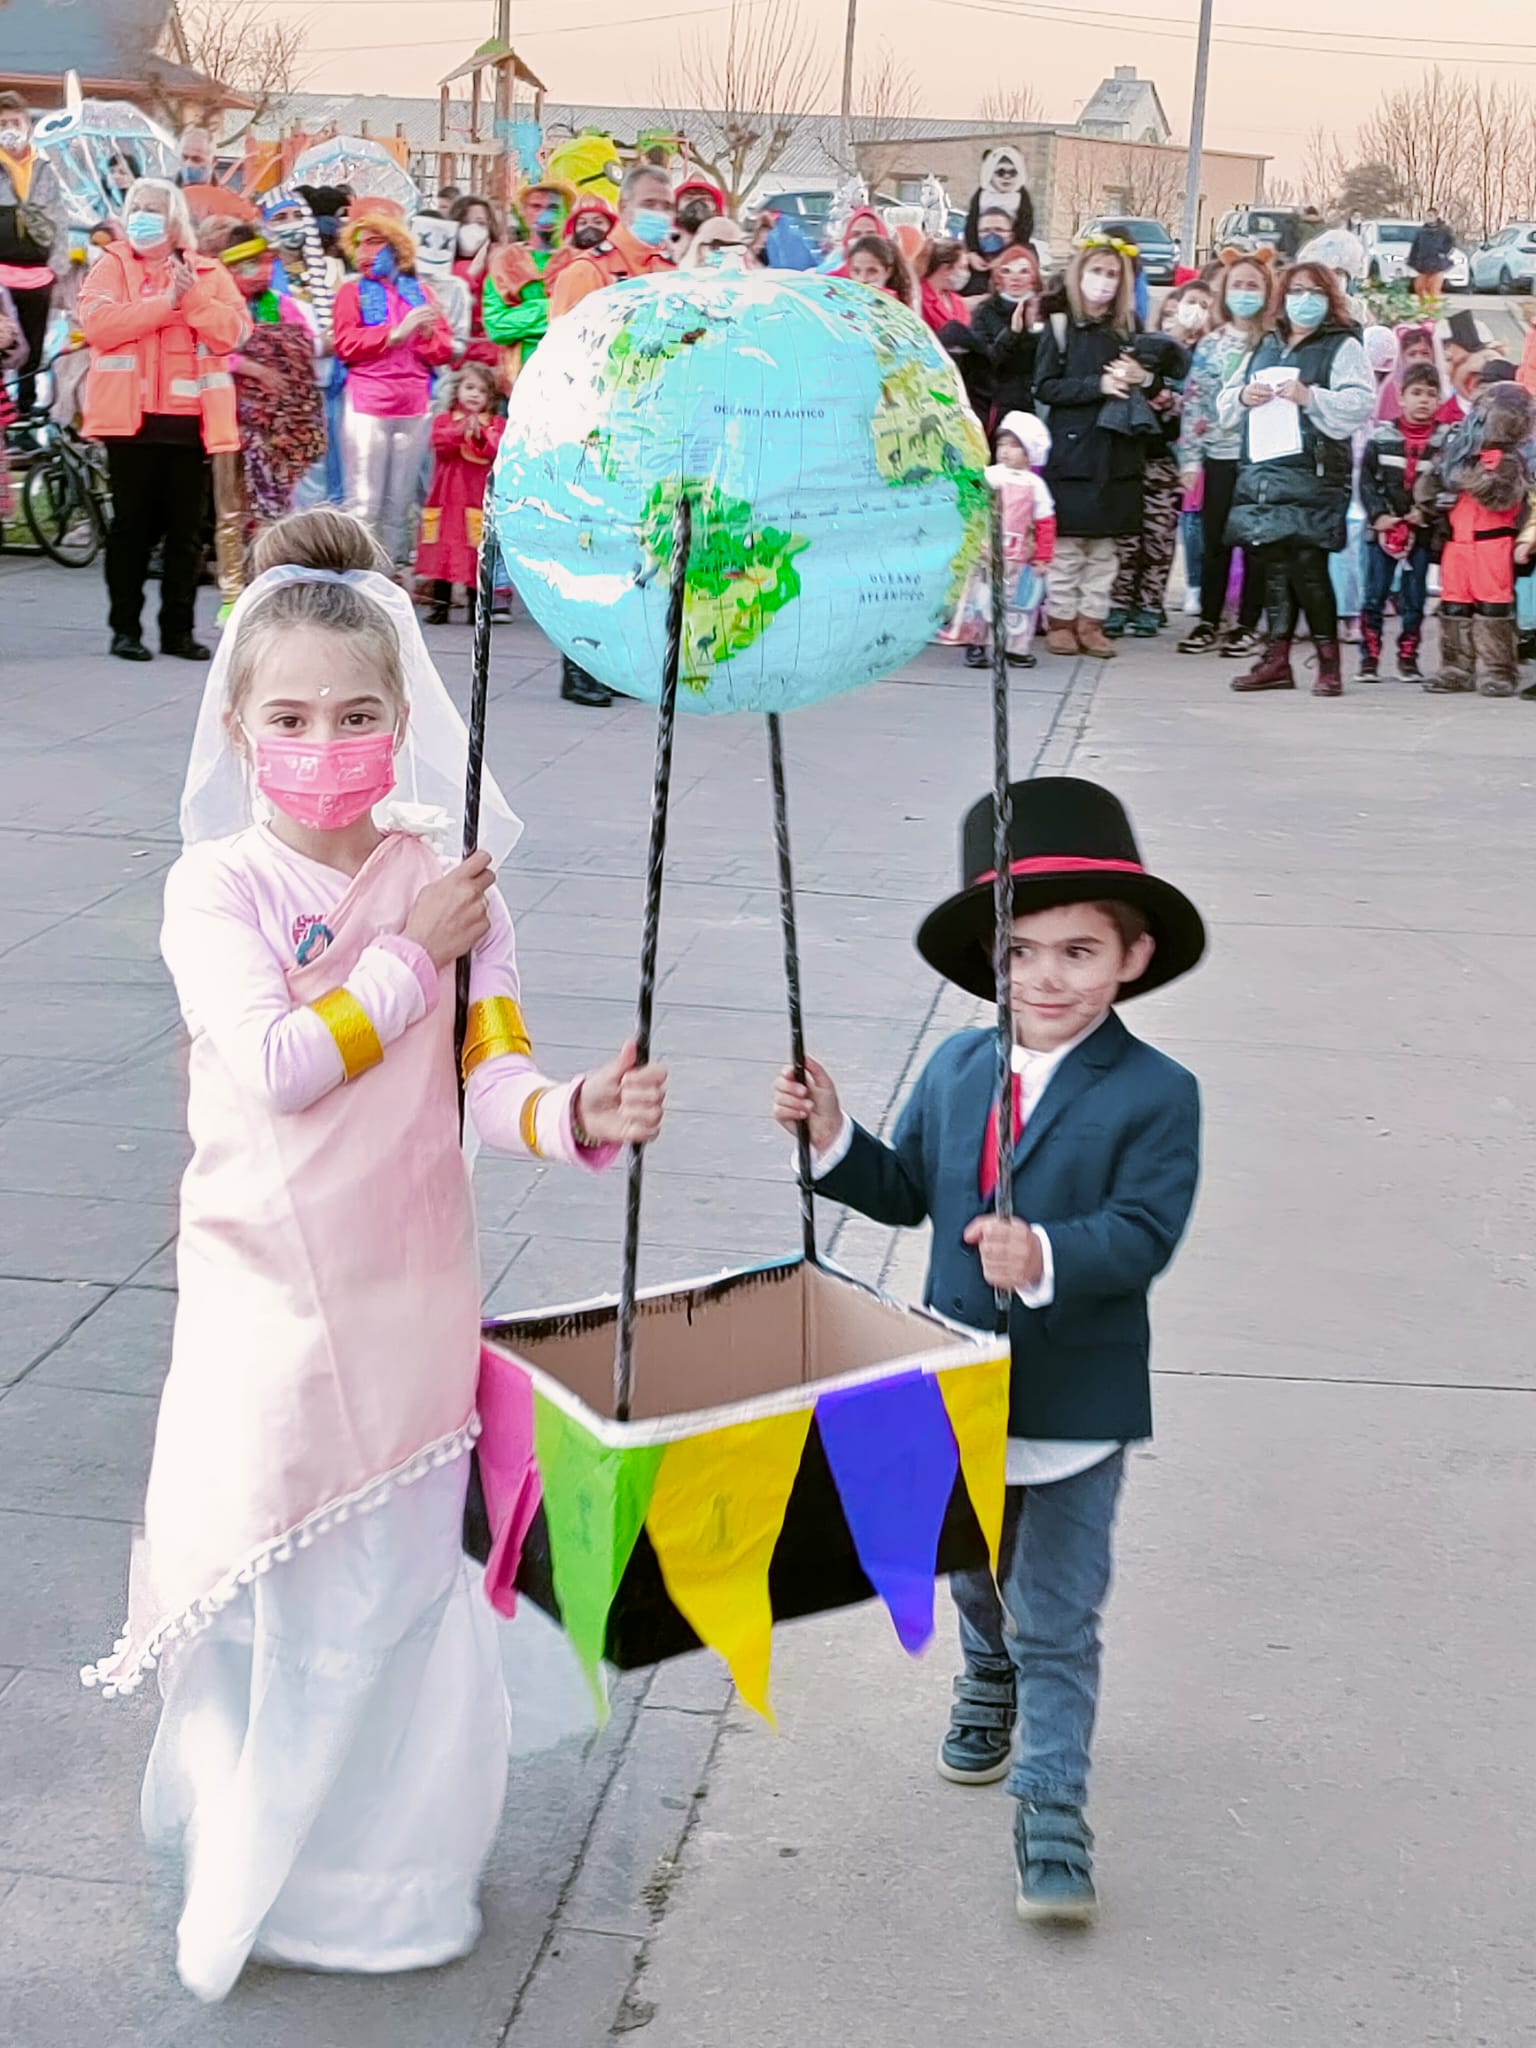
(332, 1753)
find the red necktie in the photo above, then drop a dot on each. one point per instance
(986, 1174)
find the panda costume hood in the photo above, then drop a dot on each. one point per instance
(1003, 190)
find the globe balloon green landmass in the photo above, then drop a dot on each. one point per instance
(834, 473)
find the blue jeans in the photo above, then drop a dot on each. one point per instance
(1380, 568)
(1038, 1623)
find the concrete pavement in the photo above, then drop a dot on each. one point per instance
(92, 1141)
(1317, 1725)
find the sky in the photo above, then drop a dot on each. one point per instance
(1268, 87)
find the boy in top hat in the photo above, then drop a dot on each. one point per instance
(1105, 1161)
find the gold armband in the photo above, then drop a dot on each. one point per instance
(352, 1028)
(495, 1029)
(528, 1121)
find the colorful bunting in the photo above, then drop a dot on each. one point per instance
(976, 1397)
(894, 1459)
(715, 1515)
(595, 1501)
(509, 1473)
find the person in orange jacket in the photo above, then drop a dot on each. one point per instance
(514, 302)
(161, 322)
(636, 245)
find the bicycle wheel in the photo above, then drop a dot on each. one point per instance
(62, 513)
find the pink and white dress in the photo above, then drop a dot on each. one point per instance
(332, 1750)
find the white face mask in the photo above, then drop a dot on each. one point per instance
(13, 140)
(1098, 289)
(473, 236)
(1189, 314)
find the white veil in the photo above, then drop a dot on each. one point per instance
(218, 798)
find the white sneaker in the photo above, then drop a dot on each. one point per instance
(1191, 603)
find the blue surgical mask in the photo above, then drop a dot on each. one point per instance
(651, 227)
(1245, 302)
(1305, 309)
(194, 174)
(991, 245)
(145, 230)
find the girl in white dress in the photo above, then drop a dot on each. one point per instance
(332, 1747)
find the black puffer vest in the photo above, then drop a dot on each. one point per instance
(1303, 497)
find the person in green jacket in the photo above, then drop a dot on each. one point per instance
(515, 306)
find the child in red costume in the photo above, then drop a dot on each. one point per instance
(464, 442)
(1483, 482)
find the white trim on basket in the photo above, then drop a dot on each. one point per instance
(965, 1347)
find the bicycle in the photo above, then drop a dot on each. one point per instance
(66, 499)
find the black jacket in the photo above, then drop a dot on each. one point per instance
(1431, 250)
(996, 365)
(1106, 1165)
(1301, 499)
(1385, 492)
(1095, 476)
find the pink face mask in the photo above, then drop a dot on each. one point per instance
(326, 785)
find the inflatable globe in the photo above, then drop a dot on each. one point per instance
(834, 471)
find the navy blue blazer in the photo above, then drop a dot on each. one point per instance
(1106, 1165)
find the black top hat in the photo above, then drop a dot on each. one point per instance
(1071, 842)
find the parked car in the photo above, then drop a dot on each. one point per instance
(1507, 261)
(1387, 243)
(1261, 227)
(1158, 251)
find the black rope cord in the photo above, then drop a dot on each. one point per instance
(792, 977)
(480, 670)
(1002, 883)
(666, 719)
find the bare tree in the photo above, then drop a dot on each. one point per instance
(1323, 169)
(755, 83)
(1151, 182)
(1012, 106)
(1499, 124)
(1424, 133)
(885, 103)
(238, 44)
(1080, 193)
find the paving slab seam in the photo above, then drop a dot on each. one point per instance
(503, 2034)
(1335, 1379)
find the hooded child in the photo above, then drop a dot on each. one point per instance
(1481, 490)
(1104, 1163)
(1029, 540)
(331, 1757)
(465, 437)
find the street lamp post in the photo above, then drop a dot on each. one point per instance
(847, 111)
(1197, 136)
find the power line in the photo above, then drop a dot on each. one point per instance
(529, 35)
(1179, 30)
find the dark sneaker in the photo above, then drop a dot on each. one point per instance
(1053, 1851)
(128, 647)
(1117, 622)
(1408, 670)
(1022, 660)
(1369, 670)
(977, 1749)
(1203, 640)
(1238, 644)
(1143, 625)
(977, 657)
(185, 648)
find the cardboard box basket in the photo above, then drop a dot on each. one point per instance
(797, 1442)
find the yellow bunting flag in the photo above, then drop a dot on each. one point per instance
(714, 1518)
(976, 1397)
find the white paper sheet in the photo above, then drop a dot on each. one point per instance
(1274, 430)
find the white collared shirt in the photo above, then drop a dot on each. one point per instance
(1032, 1461)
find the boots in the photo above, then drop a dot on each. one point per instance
(1330, 680)
(1497, 644)
(1369, 670)
(1408, 669)
(1093, 639)
(1456, 652)
(577, 687)
(1272, 671)
(1061, 636)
